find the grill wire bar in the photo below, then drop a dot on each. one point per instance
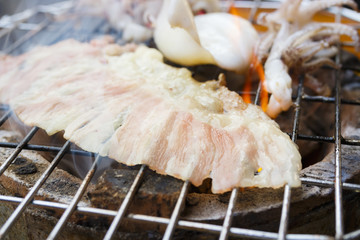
(27, 36)
(177, 210)
(18, 149)
(5, 117)
(174, 222)
(324, 183)
(339, 222)
(72, 206)
(44, 148)
(229, 214)
(287, 192)
(125, 204)
(338, 182)
(29, 197)
(9, 24)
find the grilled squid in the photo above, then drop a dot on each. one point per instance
(214, 38)
(293, 40)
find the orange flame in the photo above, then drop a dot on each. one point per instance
(264, 96)
(233, 10)
(247, 86)
(254, 66)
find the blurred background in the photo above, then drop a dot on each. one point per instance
(14, 6)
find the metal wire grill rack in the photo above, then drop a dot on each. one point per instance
(33, 21)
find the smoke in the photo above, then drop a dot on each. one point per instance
(82, 165)
(76, 163)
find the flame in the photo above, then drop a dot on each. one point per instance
(264, 95)
(240, 12)
(233, 10)
(247, 86)
(256, 67)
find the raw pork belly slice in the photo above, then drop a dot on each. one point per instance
(137, 110)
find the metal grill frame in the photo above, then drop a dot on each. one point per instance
(19, 21)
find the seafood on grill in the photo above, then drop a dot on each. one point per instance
(135, 18)
(214, 38)
(293, 40)
(137, 110)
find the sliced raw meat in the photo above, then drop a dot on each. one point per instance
(134, 108)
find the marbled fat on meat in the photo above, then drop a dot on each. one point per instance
(138, 110)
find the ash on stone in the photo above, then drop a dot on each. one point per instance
(19, 161)
(29, 168)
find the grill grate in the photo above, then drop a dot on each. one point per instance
(44, 21)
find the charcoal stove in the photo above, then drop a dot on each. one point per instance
(337, 193)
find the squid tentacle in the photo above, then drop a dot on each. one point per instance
(307, 11)
(297, 43)
(317, 63)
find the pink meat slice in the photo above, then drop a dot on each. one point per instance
(129, 105)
